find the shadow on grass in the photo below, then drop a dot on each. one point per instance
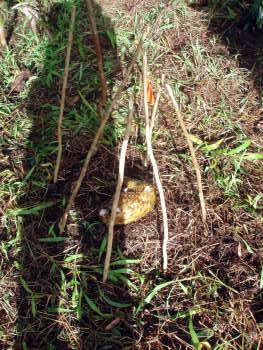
(233, 21)
(60, 305)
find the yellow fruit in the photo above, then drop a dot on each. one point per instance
(136, 201)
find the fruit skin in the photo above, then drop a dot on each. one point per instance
(136, 201)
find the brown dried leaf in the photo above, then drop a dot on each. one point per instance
(19, 82)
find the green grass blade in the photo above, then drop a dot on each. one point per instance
(75, 296)
(212, 146)
(125, 262)
(123, 271)
(222, 283)
(194, 337)
(52, 239)
(33, 306)
(102, 248)
(74, 257)
(86, 103)
(28, 175)
(184, 288)
(240, 148)
(93, 306)
(25, 285)
(111, 302)
(30, 210)
(249, 249)
(253, 156)
(58, 310)
(152, 294)
(129, 283)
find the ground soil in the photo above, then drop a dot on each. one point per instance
(220, 262)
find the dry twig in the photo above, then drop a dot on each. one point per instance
(2, 25)
(117, 193)
(154, 165)
(63, 94)
(2, 35)
(98, 51)
(192, 151)
(97, 137)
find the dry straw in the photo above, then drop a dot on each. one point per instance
(192, 151)
(154, 165)
(117, 192)
(63, 94)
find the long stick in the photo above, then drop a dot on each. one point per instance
(154, 165)
(63, 94)
(192, 151)
(98, 51)
(97, 137)
(117, 193)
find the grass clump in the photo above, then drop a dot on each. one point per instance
(51, 295)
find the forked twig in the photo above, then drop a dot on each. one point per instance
(192, 151)
(98, 51)
(117, 192)
(63, 94)
(154, 165)
(98, 135)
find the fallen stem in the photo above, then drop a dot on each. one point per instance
(97, 137)
(63, 94)
(117, 193)
(2, 26)
(154, 165)
(98, 51)
(2, 36)
(192, 151)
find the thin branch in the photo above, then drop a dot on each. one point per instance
(2, 36)
(63, 94)
(154, 165)
(98, 51)
(2, 26)
(192, 151)
(156, 104)
(98, 135)
(117, 193)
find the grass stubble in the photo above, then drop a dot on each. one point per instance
(50, 289)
